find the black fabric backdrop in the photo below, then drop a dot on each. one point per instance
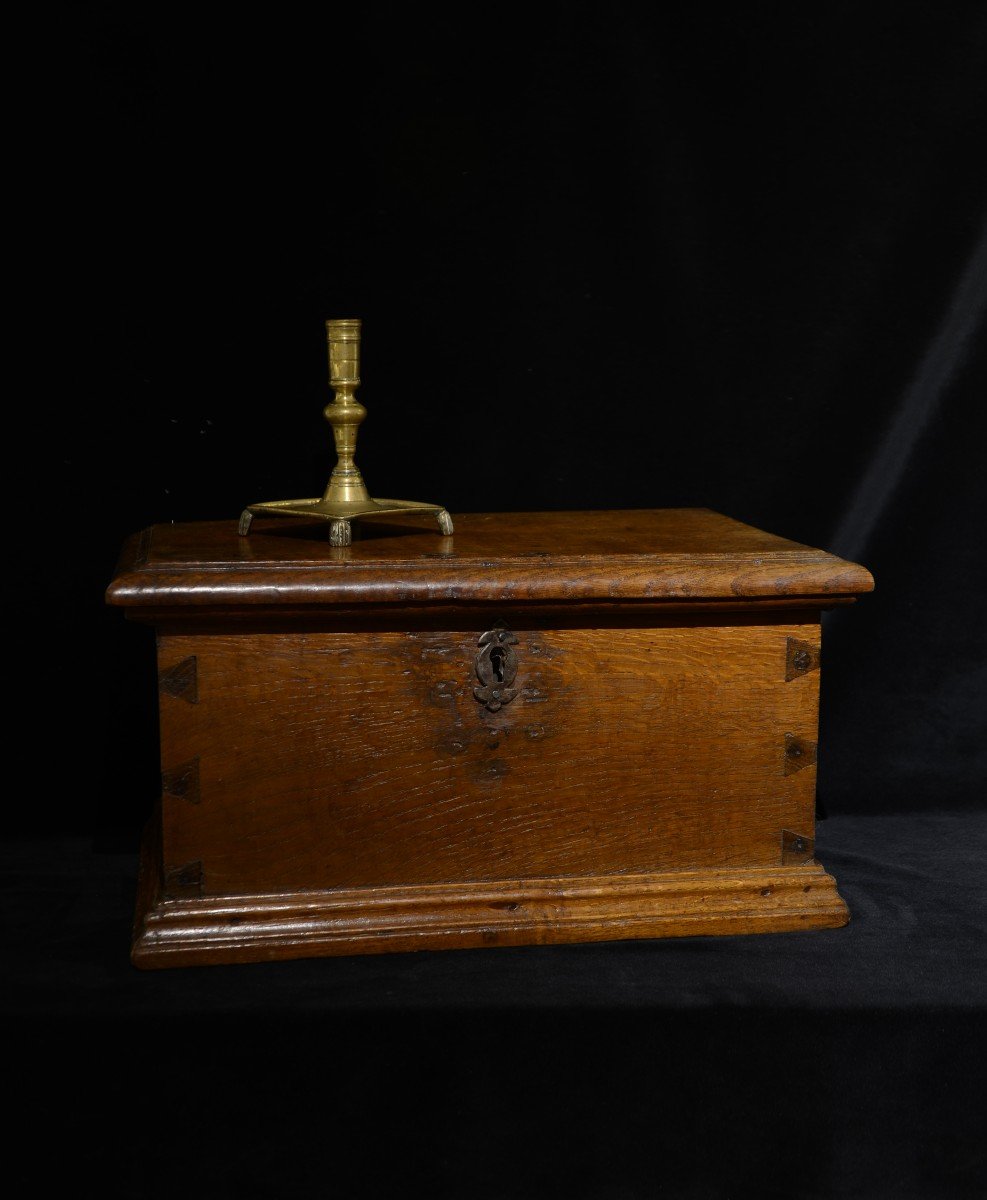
(605, 257)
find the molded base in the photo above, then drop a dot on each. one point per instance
(208, 930)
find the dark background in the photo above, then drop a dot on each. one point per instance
(605, 256)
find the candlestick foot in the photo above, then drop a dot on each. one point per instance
(340, 533)
(340, 516)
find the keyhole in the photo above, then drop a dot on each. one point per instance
(497, 663)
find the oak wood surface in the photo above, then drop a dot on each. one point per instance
(195, 932)
(636, 555)
(329, 760)
(332, 784)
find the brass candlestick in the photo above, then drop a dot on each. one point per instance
(346, 498)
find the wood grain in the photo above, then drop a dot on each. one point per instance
(525, 912)
(330, 783)
(641, 555)
(329, 760)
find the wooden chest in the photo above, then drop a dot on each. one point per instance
(547, 727)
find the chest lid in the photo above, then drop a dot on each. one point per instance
(672, 557)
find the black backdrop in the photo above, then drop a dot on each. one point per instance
(606, 256)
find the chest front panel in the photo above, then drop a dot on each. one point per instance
(298, 759)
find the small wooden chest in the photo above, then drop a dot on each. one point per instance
(547, 727)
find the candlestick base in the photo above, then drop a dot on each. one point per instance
(339, 515)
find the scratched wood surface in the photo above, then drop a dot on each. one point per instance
(642, 555)
(315, 759)
(330, 784)
(205, 931)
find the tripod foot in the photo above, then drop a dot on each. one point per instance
(340, 533)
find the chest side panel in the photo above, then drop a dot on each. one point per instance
(322, 760)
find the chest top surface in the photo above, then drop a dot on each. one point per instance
(606, 557)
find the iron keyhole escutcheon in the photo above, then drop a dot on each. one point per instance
(496, 668)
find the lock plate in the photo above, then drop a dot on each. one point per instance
(496, 667)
